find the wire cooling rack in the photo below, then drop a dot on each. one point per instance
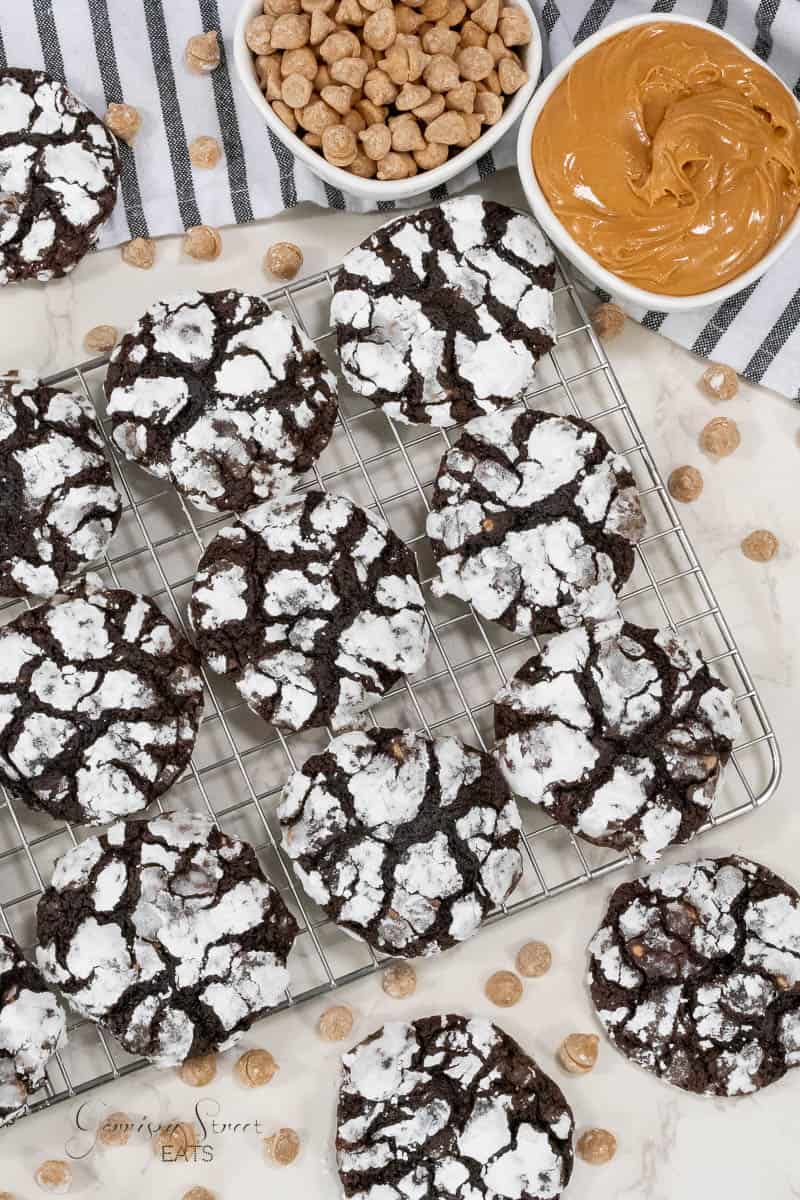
(240, 764)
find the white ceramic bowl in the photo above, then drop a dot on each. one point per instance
(588, 266)
(375, 189)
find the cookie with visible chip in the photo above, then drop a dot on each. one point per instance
(620, 732)
(59, 168)
(59, 507)
(229, 401)
(312, 606)
(167, 933)
(533, 521)
(695, 974)
(405, 841)
(442, 315)
(32, 1028)
(452, 1109)
(100, 702)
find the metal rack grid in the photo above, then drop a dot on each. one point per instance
(240, 764)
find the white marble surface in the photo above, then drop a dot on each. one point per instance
(671, 1146)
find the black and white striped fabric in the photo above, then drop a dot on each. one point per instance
(132, 50)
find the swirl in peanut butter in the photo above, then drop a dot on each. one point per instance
(671, 157)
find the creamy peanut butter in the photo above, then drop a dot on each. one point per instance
(671, 157)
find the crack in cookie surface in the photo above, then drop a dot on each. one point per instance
(533, 521)
(620, 732)
(59, 507)
(450, 1109)
(442, 315)
(32, 1027)
(59, 168)
(312, 606)
(168, 934)
(407, 842)
(228, 400)
(695, 974)
(100, 702)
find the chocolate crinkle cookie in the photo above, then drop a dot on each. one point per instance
(533, 521)
(450, 1108)
(167, 933)
(100, 702)
(442, 315)
(32, 1028)
(621, 733)
(313, 607)
(59, 507)
(59, 167)
(229, 401)
(695, 974)
(405, 841)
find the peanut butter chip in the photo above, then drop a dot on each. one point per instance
(578, 1052)
(596, 1146)
(176, 1141)
(399, 980)
(534, 959)
(637, 950)
(204, 152)
(199, 1072)
(101, 339)
(256, 1068)
(141, 252)
(115, 1130)
(608, 320)
(123, 120)
(335, 1023)
(760, 545)
(283, 259)
(282, 1147)
(54, 1176)
(720, 437)
(685, 484)
(199, 1193)
(202, 243)
(720, 382)
(504, 988)
(203, 53)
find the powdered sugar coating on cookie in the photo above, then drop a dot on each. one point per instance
(533, 521)
(450, 1107)
(229, 401)
(407, 842)
(620, 732)
(32, 1028)
(442, 315)
(168, 934)
(59, 168)
(60, 507)
(313, 607)
(100, 702)
(695, 973)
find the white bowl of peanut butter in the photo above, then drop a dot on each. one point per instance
(662, 158)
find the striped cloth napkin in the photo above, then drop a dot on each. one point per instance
(132, 50)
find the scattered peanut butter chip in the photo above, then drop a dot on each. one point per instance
(199, 1072)
(176, 1141)
(256, 1068)
(123, 120)
(760, 545)
(782, 982)
(596, 1146)
(203, 53)
(204, 152)
(399, 980)
(608, 320)
(54, 1176)
(283, 259)
(101, 339)
(720, 382)
(637, 950)
(115, 1129)
(720, 437)
(685, 484)
(202, 243)
(578, 1052)
(534, 960)
(6, 1196)
(282, 1147)
(141, 252)
(504, 988)
(335, 1023)
(199, 1193)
